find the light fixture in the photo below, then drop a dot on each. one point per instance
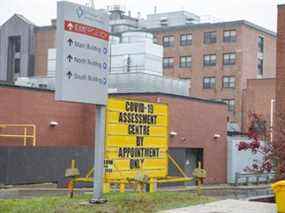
(217, 136)
(172, 133)
(53, 123)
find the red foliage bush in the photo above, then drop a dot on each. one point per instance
(272, 149)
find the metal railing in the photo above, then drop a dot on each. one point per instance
(12, 131)
(256, 178)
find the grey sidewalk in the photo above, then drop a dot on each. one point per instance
(228, 206)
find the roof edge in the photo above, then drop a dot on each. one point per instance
(6, 84)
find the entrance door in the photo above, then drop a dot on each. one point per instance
(192, 157)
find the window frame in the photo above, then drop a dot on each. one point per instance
(209, 39)
(169, 65)
(212, 85)
(231, 107)
(260, 66)
(170, 42)
(186, 42)
(210, 63)
(230, 38)
(229, 84)
(228, 62)
(186, 64)
(17, 66)
(260, 44)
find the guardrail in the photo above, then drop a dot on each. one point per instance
(256, 178)
(12, 131)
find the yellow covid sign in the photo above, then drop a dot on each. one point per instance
(136, 139)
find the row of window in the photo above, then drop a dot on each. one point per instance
(210, 82)
(208, 60)
(209, 38)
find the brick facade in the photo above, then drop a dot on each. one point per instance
(195, 129)
(45, 39)
(280, 73)
(245, 47)
(257, 99)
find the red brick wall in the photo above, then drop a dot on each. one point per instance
(280, 73)
(257, 98)
(195, 122)
(24, 106)
(44, 41)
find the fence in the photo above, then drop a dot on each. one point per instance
(26, 132)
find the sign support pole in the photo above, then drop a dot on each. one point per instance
(99, 155)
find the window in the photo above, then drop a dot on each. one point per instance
(260, 66)
(230, 36)
(185, 61)
(17, 65)
(228, 82)
(168, 62)
(260, 44)
(163, 21)
(231, 104)
(155, 40)
(210, 60)
(17, 43)
(185, 39)
(229, 58)
(209, 82)
(210, 37)
(168, 41)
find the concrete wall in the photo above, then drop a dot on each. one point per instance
(238, 161)
(136, 53)
(24, 165)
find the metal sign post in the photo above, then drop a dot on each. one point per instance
(99, 155)
(82, 68)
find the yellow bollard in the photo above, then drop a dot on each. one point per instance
(152, 185)
(122, 187)
(106, 187)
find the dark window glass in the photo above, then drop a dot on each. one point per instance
(229, 58)
(17, 66)
(210, 37)
(168, 41)
(231, 104)
(168, 63)
(228, 82)
(185, 39)
(260, 44)
(185, 61)
(17, 44)
(230, 36)
(210, 60)
(260, 66)
(209, 82)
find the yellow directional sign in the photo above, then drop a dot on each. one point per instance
(136, 139)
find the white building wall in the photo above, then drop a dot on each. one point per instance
(137, 53)
(238, 161)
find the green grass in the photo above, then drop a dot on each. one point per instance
(117, 203)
